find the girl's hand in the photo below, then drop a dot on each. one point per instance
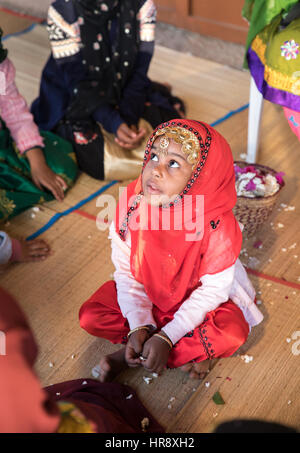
(43, 176)
(156, 351)
(134, 347)
(129, 137)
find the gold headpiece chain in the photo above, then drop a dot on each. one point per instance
(190, 143)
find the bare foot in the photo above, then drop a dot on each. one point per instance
(35, 250)
(111, 365)
(196, 370)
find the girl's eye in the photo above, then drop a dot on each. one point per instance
(154, 157)
(174, 164)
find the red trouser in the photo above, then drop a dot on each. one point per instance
(222, 332)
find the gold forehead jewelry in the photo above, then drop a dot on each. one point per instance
(164, 144)
(190, 143)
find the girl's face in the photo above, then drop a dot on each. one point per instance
(166, 174)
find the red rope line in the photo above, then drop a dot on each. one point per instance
(25, 16)
(273, 279)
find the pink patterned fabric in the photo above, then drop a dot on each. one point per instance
(293, 118)
(14, 111)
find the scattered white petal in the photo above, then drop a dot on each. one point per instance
(283, 249)
(289, 402)
(253, 262)
(129, 396)
(293, 245)
(215, 414)
(172, 399)
(258, 302)
(89, 236)
(243, 156)
(155, 375)
(147, 379)
(270, 260)
(280, 225)
(84, 383)
(170, 406)
(142, 358)
(247, 358)
(73, 356)
(207, 384)
(96, 371)
(51, 364)
(36, 209)
(288, 340)
(32, 216)
(295, 256)
(193, 390)
(58, 393)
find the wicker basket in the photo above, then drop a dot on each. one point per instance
(253, 212)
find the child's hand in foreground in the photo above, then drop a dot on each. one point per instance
(43, 176)
(134, 347)
(156, 352)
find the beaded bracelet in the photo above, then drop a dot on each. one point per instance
(167, 340)
(136, 329)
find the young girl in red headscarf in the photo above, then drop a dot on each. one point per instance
(181, 297)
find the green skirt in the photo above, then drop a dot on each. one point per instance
(17, 190)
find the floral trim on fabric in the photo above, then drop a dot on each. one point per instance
(147, 18)
(290, 50)
(210, 353)
(64, 38)
(73, 420)
(84, 139)
(274, 78)
(7, 206)
(259, 47)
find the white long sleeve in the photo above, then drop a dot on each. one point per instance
(132, 298)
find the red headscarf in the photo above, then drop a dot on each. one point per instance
(167, 262)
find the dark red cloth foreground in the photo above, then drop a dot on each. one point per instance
(223, 331)
(27, 408)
